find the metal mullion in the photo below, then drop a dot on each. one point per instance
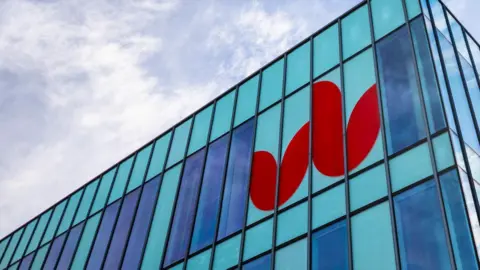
(310, 154)
(222, 192)
(254, 138)
(200, 185)
(30, 239)
(16, 246)
(384, 141)
(43, 234)
(470, 55)
(429, 141)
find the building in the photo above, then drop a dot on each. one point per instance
(358, 147)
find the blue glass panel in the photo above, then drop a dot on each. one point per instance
(119, 237)
(413, 8)
(159, 155)
(298, 68)
(387, 15)
(458, 221)
(15, 238)
(54, 220)
(238, 174)
(103, 191)
(103, 236)
(329, 247)
(470, 204)
(208, 206)
(200, 261)
(40, 257)
(326, 50)
(439, 18)
(460, 43)
(259, 264)
(292, 223)
(421, 234)
(201, 125)
(475, 50)
(246, 100)
(223, 115)
(139, 232)
(293, 256)
(271, 88)
(402, 111)
(328, 206)
(179, 143)
(70, 245)
(226, 253)
(26, 262)
(139, 168)
(42, 224)
(86, 202)
(70, 212)
(24, 241)
(355, 32)
(88, 235)
(185, 208)
(258, 239)
(473, 90)
(121, 179)
(443, 152)
(54, 252)
(368, 187)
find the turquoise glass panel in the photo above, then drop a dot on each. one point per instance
(372, 240)
(3, 245)
(223, 115)
(121, 180)
(443, 152)
(410, 167)
(413, 8)
(298, 68)
(328, 206)
(271, 88)
(40, 257)
(292, 257)
(11, 248)
(159, 156)
(24, 241)
(80, 259)
(37, 235)
(258, 239)
(226, 253)
(246, 100)
(326, 50)
(54, 221)
(368, 187)
(159, 228)
(200, 261)
(387, 15)
(179, 143)
(201, 125)
(292, 223)
(87, 199)
(355, 32)
(14, 267)
(139, 168)
(70, 212)
(103, 191)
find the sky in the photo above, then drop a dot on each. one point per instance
(83, 83)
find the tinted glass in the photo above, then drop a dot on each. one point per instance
(328, 206)
(7, 255)
(70, 211)
(326, 50)
(139, 168)
(121, 180)
(355, 31)
(26, 262)
(54, 252)
(70, 245)
(24, 241)
(258, 239)
(226, 253)
(201, 125)
(40, 257)
(292, 223)
(387, 15)
(293, 256)
(54, 220)
(200, 261)
(259, 264)
(298, 68)
(159, 155)
(86, 202)
(103, 191)
(86, 241)
(223, 115)
(37, 235)
(271, 86)
(329, 247)
(368, 187)
(246, 100)
(179, 142)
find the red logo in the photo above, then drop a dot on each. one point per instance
(362, 131)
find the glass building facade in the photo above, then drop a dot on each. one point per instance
(356, 149)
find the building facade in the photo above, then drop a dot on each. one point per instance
(356, 149)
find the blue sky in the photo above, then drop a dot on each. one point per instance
(83, 83)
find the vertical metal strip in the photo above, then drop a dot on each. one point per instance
(310, 157)
(470, 55)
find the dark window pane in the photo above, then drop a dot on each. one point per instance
(122, 228)
(140, 227)
(329, 248)
(185, 210)
(54, 252)
(238, 174)
(421, 233)
(26, 262)
(70, 245)
(103, 235)
(259, 264)
(210, 194)
(404, 123)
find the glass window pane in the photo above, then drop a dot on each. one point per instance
(24, 241)
(179, 142)
(421, 234)
(14, 267)
(54, 252)
(159, 155)
(259, 264)
(3, 245)
(40, 257)
(475, 50)
(292, 223)
(328, 206)
(470, 203)
(226, 253)
(258, 239)
(443, 152)
(15, 238)
(81, 254)
(293, 256)
(87, 200)
(404, 122)
(140, 227)
(161, 219)
(298, 68)
(439, 18)
(201, 126)
(473, 89)
(355, 32)
(54, 220)
(329, 247)
(70, 245)
(208, 206)
(387, 15)
(326, 50)
(458, 37)
(120, 234)
(246, 100)
(103, 191)
(368, 187)
(70, 212)
(372, 240)
(238, 174)
(185, 208)
(200, 261)
(121, 179)
(272, 80)
(139, 168)
(26, 262)
(413, 8)
(223, 115)
(410, 167)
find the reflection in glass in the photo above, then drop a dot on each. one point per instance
(329, 247)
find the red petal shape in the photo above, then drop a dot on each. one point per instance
(263, 180)
(363, 127)
(327, 129)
